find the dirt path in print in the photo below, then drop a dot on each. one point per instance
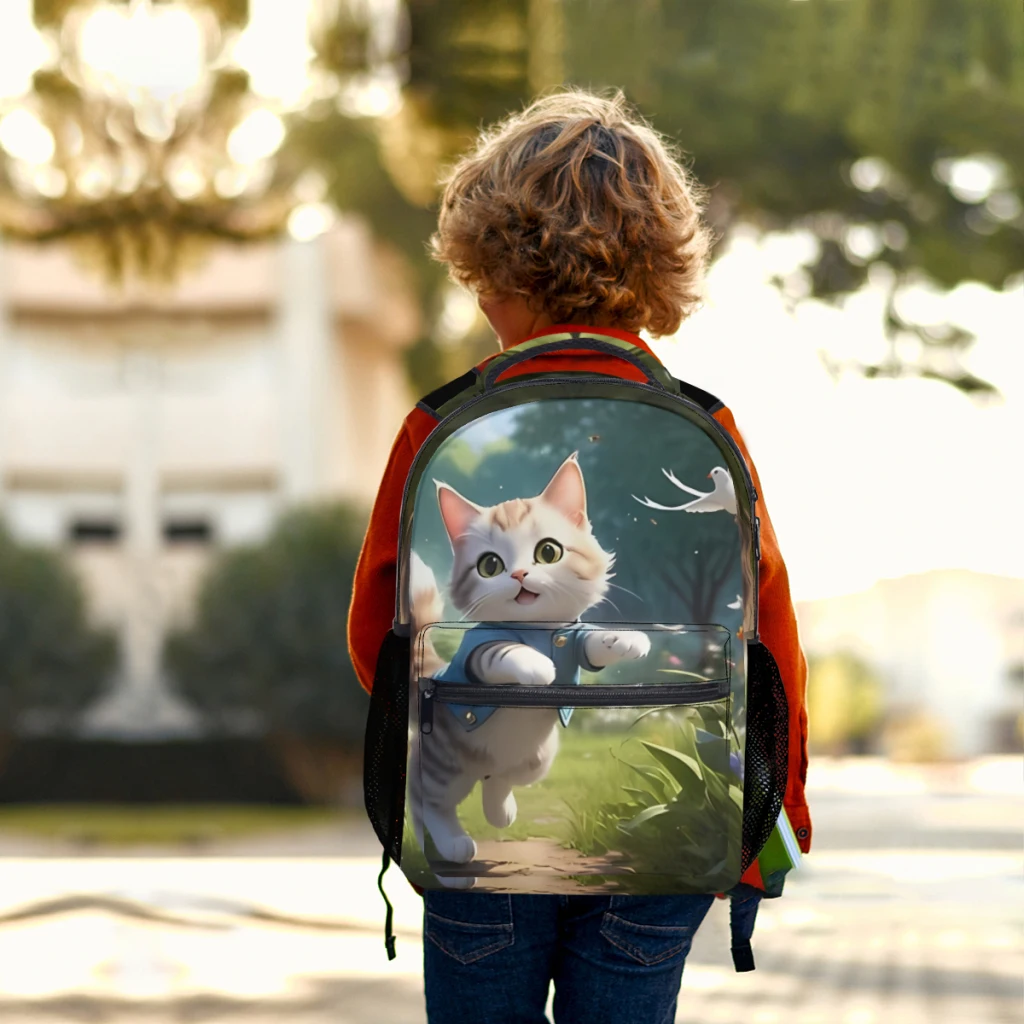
(531, 864)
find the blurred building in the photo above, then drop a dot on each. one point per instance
(143, 431)
(949, 643)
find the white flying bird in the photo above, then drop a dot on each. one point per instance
(738, 603)
(721, 499)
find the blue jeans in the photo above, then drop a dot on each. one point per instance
(489, 958)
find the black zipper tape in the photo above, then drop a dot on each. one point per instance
(601, 696)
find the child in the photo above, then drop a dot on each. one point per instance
(573, 213)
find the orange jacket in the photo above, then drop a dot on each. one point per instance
(373, 595)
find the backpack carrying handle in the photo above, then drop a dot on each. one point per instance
(652, 370)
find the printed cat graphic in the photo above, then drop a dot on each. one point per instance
(523, 560)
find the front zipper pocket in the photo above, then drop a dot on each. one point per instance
(518, 696)
(627, 785)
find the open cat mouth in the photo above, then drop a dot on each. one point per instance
(526, 596)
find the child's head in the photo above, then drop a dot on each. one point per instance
(578, 208)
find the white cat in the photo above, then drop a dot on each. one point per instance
(523, 560)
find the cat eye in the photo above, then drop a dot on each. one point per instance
(548, 551)
(489, 565)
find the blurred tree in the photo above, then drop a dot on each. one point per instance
(844, 704)
(914, 734)
(53, 664)
(467, 63)
(267, 650)
(893, 130)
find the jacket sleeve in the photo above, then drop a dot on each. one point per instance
(372, 610)
(778, 628)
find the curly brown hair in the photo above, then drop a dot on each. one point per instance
(577, 204)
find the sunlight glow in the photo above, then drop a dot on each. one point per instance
(863, 242)
(96, 179)
(185, 179)
(25, 137)
(231, 182)
(93, 953)
(309, 221)
(1004, 206)
(818, 443)
(156, 52)
(256, 137)
(377, 95)
(971, 179)
(49, 181)
(274, 50)
(869, 173)
(22, 49)
(895, 235)
(458, 316)
(130, 173)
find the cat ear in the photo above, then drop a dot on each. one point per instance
(457, 512)
(566, 491)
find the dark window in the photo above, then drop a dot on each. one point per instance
(95, 531)
(188, 531)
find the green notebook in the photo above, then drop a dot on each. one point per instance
(781, 852)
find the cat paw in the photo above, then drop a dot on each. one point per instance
(457, 850)
(535, 669)
(501, 815)
(608, 647)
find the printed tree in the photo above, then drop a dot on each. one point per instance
(669, 566)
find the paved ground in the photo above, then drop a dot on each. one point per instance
(908, 912)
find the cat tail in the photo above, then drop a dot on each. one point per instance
(426, 605)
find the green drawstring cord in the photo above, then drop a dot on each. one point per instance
(389, 935)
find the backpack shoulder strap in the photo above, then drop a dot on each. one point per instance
(449, 396)
(649, 365)
(442, 396)
(707, 401)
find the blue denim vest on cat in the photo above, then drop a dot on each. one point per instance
(564, 646)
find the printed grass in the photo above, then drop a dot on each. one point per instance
(656, 790)
(669, 811)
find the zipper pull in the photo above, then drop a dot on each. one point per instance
(427, 711)
(757, 538)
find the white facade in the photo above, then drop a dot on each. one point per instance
(944, 641)
(142, 432)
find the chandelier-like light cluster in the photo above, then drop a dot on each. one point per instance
(141, 130)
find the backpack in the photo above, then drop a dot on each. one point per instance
(574, 697)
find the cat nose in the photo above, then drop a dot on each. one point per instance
(519, 575)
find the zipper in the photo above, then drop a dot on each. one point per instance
(427, 449)
(512, 696)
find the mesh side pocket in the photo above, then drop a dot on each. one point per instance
(766, 764)
(387, 741)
